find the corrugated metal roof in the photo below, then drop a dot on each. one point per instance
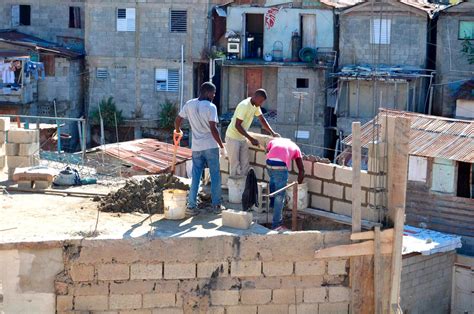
(430, 136)
(148, 154)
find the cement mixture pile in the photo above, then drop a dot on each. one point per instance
(145, 196)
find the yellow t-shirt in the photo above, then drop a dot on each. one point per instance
(245, 111)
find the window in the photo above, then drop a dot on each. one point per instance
(102, 73)
(380, 31)
(443, 176)
(302, 83)
(464, 184)
(21, 15)
(178, 21)
(417, 168)
(74, 17)
(126, 20)
(466, 29)
(167, 80)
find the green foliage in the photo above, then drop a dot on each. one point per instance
(468, 50)
(108, 112)
(168, 113)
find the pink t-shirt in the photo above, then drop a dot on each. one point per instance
(283, 149)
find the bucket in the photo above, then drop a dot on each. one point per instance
(236, 187)
(302, 196)
(174, 202)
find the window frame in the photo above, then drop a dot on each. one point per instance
(378, 40)
(459, 29)
(71, 14)
(171, 24)
(19, 21)
(127, 20)
(175, 74)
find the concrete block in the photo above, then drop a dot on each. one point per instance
(90, 288)
(348, 195)
(246, 268)
(11, 173)
(242, 309)
(22, 161)
(304, 309)
(277, 268)
(3, 162)
(3, 137)
(343, 174)
(146, 271)
(4, 124)
(216, 310)
(255, 296)
(113, 272)
(209, 269)
(342, 208)
(236, 219)
(273, 309)
(334, 308)
(324, 171)
(91, 303)
(64, 303)
(3, 149)
(377, 149)
(22, 136)
(12, 149)
(308, 167)
(180, 270)
(261, 159)
(315, 295)
(28, 149)
(310, 268)
(159, 300)
(25, 184)
(337, 267)
(284, 296)
(140, 286)
(377, 165)
(259, 172)
(168, 310)
(224, 164)
(333, 190)
(81, 272)
(339, 294)
(41, 185)
(314, 185)
(224, 297)
(125, 301)
(320, 202)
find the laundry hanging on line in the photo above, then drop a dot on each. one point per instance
(33, 68)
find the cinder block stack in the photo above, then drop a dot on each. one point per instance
(4, 126)
(22, 149)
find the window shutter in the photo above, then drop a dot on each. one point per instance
(102, 73)
(380, 31)
(178, 21)
(161, 78)
(15, 15)
(173, 80)
(121, 20)
(130, 19)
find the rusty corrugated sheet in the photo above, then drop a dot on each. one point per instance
(150, 155)
(430, 136)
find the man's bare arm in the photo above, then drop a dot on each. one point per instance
(215, 133)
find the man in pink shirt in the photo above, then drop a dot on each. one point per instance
(280, 154)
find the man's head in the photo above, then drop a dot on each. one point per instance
(259, 97)
(207, 91)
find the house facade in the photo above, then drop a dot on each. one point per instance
(453, 96)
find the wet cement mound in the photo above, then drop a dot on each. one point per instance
(145, 196)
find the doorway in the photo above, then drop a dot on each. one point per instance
(254, 35)
(253, 80)
(464, 180)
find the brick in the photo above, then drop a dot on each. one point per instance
(159, 300)
(323, 171)
(304, 309)
(90, 303)
(41, 185)
(284, 296)
(315, 295)
(242, 309)
(224, 297)
(22, 161)
(64, 303)
(314, 185)
(246, 268)
(170, 310)
(320, 202)
(125, 301)
(4, 124)
(81, 272)
(273, 309)
(207, 269)
(137, 286)
(113, 272)
(339, 294)
(25, 184)
(337, 267)
(311, 268)
(28, 149)
(333, 190)
(255, 296)
(308, 167)
(180, 270)
(146, 271)
(22, 136)
(277, 268)
(334, 308)
(237, 219)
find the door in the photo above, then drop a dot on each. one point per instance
(308, 30)
(253, 80)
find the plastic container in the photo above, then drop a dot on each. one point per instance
(303, 200)
(174, 202)
(236, 187)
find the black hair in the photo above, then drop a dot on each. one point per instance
(207, 87)
(261, 92)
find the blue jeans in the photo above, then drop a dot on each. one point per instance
(278, 180)
(209, 157)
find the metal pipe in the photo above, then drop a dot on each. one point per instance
(282, 189)
(294, 210)
(41, 117)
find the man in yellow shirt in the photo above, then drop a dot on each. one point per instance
(236, 136)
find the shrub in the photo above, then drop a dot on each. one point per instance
(108, 112)
(168, 114)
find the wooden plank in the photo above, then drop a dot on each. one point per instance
(378, 270)
(362, 284)
(386, 235)
(356, 189)
(396, 271)
(355, 249)
(337, 217)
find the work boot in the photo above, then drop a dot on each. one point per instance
(218, 209)
(191, 212)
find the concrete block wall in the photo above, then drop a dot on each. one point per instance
(223, 274)
(329, 185)
(426, 283)
(22, 149)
